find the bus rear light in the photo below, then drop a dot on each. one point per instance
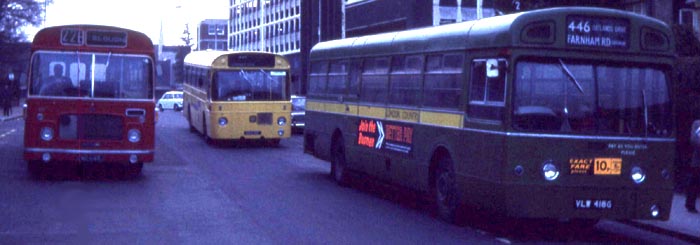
(280, 132)
(46, 157)
(281, 121)
(550, 171)
(46, 133)
(637, 175)
(134, 135)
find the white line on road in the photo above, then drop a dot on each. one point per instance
(3, 135)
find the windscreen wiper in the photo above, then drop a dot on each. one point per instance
(571, 76)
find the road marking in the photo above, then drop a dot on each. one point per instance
(503, 240)
(7, 133)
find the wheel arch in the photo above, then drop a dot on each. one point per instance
(438, 153)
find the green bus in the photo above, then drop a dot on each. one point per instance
(561, 113)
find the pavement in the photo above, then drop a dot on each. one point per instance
(681, 224)
(14, 114)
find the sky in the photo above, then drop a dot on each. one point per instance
(140, 15)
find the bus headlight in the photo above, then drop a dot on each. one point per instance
(223, 121)
(637, 175)
(134, 135)
(46, 134)
(550, 171)
(281, 121)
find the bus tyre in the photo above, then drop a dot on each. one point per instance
(207, 139)
(338, 163)
(189, 119)
(446, 198)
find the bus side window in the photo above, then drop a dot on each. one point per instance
(318, 78)
(443, 81)
(375, 80)
(338, 78)
(487, 89)
(406, 80)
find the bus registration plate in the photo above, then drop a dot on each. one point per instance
(593, 204)
(91, 158)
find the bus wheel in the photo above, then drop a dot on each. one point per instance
(204, 132)
(446, 198)
(338, 162)
(189, 119)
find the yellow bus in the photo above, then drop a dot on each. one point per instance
(239, 96)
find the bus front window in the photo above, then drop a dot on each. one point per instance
(586, 97)
(96, 75)
(249, 85)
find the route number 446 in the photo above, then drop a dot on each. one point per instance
(579, 26)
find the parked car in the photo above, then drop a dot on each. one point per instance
(298, 113)
(170, 100)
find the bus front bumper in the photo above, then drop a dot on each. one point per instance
(587, 202)
(49, 155)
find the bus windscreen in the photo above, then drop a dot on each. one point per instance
(593, 98)
(249, 85)
(96, 75)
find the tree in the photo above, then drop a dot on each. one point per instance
(16, 14)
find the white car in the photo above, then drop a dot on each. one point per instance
(170, 100)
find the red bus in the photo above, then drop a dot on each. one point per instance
(90, 98)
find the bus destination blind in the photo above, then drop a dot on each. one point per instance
(102, 38)
(596, 32)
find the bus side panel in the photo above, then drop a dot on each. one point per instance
(318, 131)
(478, 157)
(195, 104)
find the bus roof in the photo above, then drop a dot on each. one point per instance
(495, 32)
(95, 37)
(206, 58)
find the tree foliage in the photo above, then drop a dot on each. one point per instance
(16, 14)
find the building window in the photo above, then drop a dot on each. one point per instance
(687, 17)
(639, 7)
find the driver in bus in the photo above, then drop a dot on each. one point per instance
(56, 84)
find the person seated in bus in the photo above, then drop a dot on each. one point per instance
(56, 84)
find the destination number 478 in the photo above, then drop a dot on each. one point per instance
(580, 26)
